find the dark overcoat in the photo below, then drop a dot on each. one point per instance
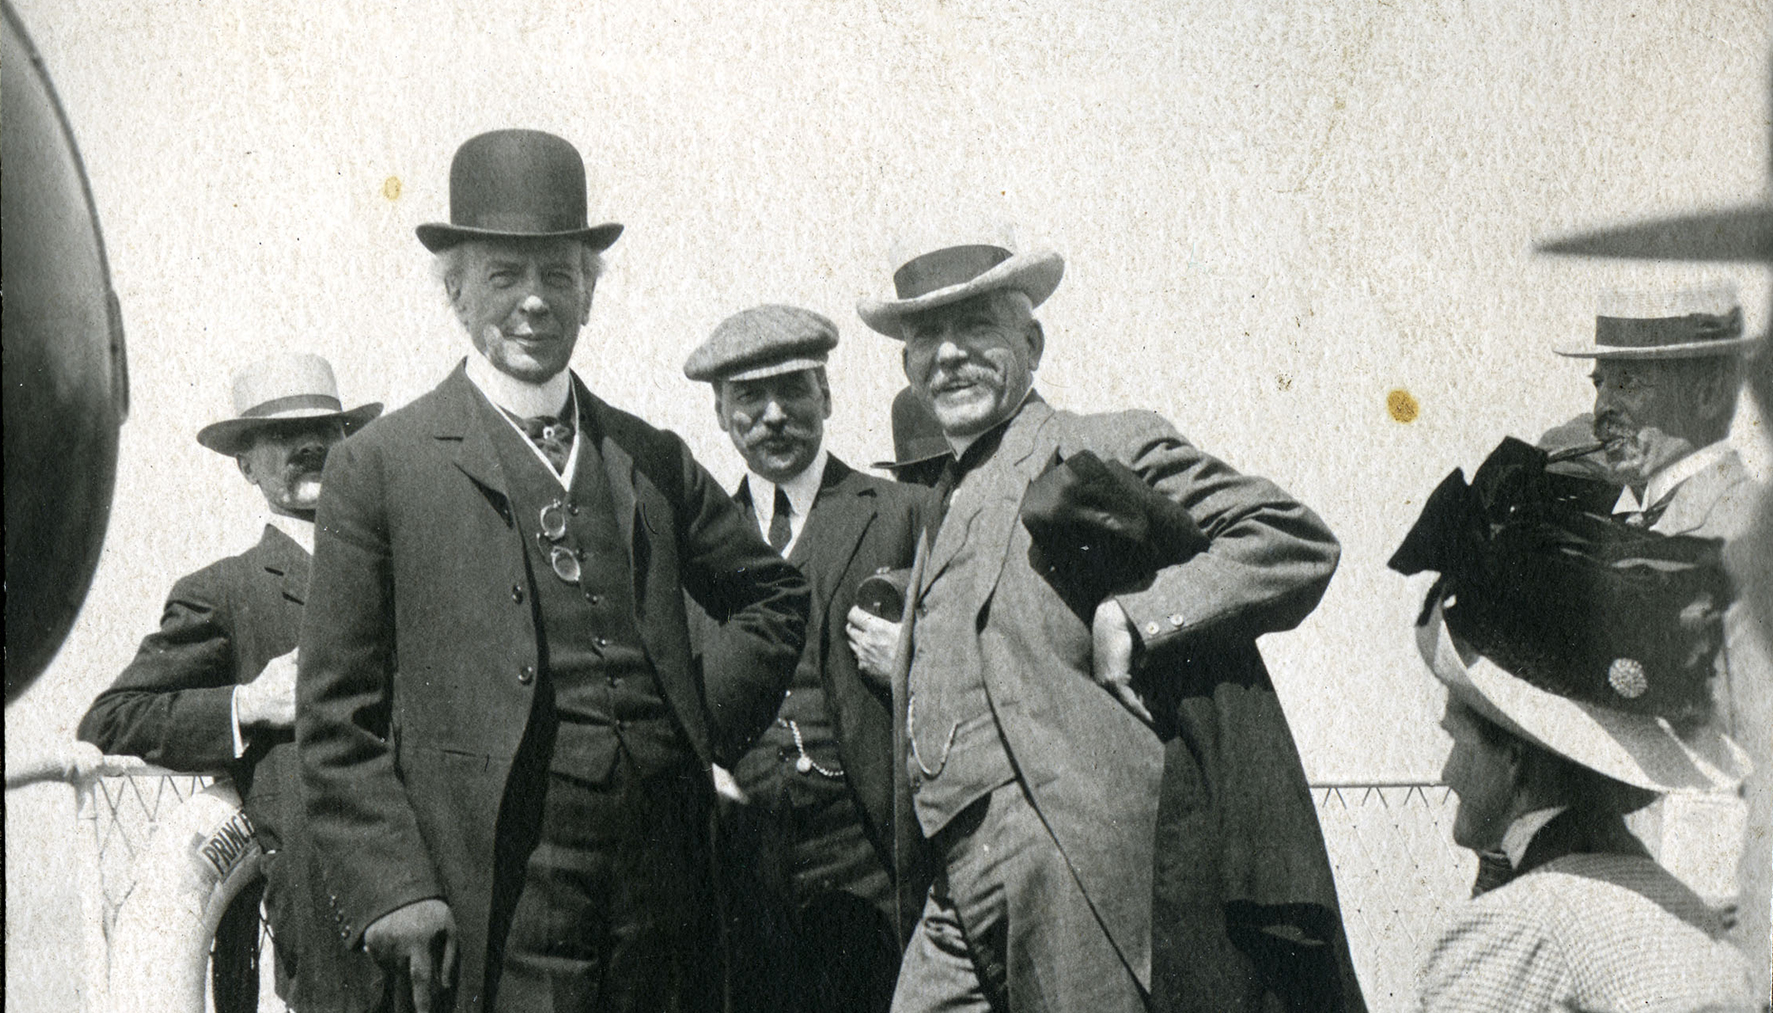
(419, 650)
(172, 707)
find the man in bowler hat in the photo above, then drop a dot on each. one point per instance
(506, 747)
(812, 845)
(213, 689)
(1035, 772)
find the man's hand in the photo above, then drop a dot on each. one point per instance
(417, 944)
(269, 699)
(1111, 635)
(875, 642)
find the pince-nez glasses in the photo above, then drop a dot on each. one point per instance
(562, 559)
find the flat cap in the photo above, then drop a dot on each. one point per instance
(763, 341)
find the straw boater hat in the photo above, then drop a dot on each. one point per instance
(1680, 324)
(1585, 636)
(763, 341)
(516, 184)
(949, 275)
(277, 391)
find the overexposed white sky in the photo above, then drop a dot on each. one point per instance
(1272, 215)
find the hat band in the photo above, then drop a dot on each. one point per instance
(294, 402)
(1633, 332)
(942, 268)
(524, 222)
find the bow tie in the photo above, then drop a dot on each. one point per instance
(552, 435)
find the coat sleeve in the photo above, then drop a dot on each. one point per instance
(365, 834)
(757, 603)
(172, 705)
(1269, 558)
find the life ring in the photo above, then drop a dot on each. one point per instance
(200, 857)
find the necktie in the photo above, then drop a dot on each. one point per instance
(1494, 870)
(552, 436)
(780, 532)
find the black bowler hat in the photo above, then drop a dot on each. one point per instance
(516, 184)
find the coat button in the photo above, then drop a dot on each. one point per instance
(517, 593)
(1152, 629)
(1177, 620)
(595, 599)
(526, 674)
(602, 641)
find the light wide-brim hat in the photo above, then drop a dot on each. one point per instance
(955, 273)
(277, 391)
(1638, 749)
(1687, 323)
(516, 184)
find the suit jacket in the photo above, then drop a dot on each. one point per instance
(857, 525)
(419, 650)
(1589, 923)
(1720, 501)
(172, 707)
(1093, 770)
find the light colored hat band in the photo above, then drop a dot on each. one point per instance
(1630, 332)
(293, 403)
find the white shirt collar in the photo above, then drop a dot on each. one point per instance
(1670, 477)
(299, 531)
(802, 489)
(519, 397)
(1520, 833)
(525, 400)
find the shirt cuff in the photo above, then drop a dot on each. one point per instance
(234, 722)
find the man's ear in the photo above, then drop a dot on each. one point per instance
(1717, 393)
(1037, 343)
(590, 294)
(244, 463)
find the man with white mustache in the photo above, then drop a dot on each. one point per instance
(1667, 376)
(1077, 742)
(505, 743)
(213, 690)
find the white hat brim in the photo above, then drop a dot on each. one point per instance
(1035, 274)
(230, 436)
(1684, 350)
(1636, 749)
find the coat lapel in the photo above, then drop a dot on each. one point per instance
(841, 514)
(618, 470)
(461, 419)
(285, 562)
(1025, 449)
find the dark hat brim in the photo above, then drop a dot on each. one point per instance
(440, 236)
(1734, 234)
(233, 436)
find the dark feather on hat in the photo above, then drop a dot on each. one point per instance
(1536, 575)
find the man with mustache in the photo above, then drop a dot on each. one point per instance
(1039, 697)
(1667, 375)
(505, 743)
(213, 690)
(810, 850)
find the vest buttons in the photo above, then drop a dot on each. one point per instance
(517, 593)
(595, 599)
(602, 641)
(526, 674)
